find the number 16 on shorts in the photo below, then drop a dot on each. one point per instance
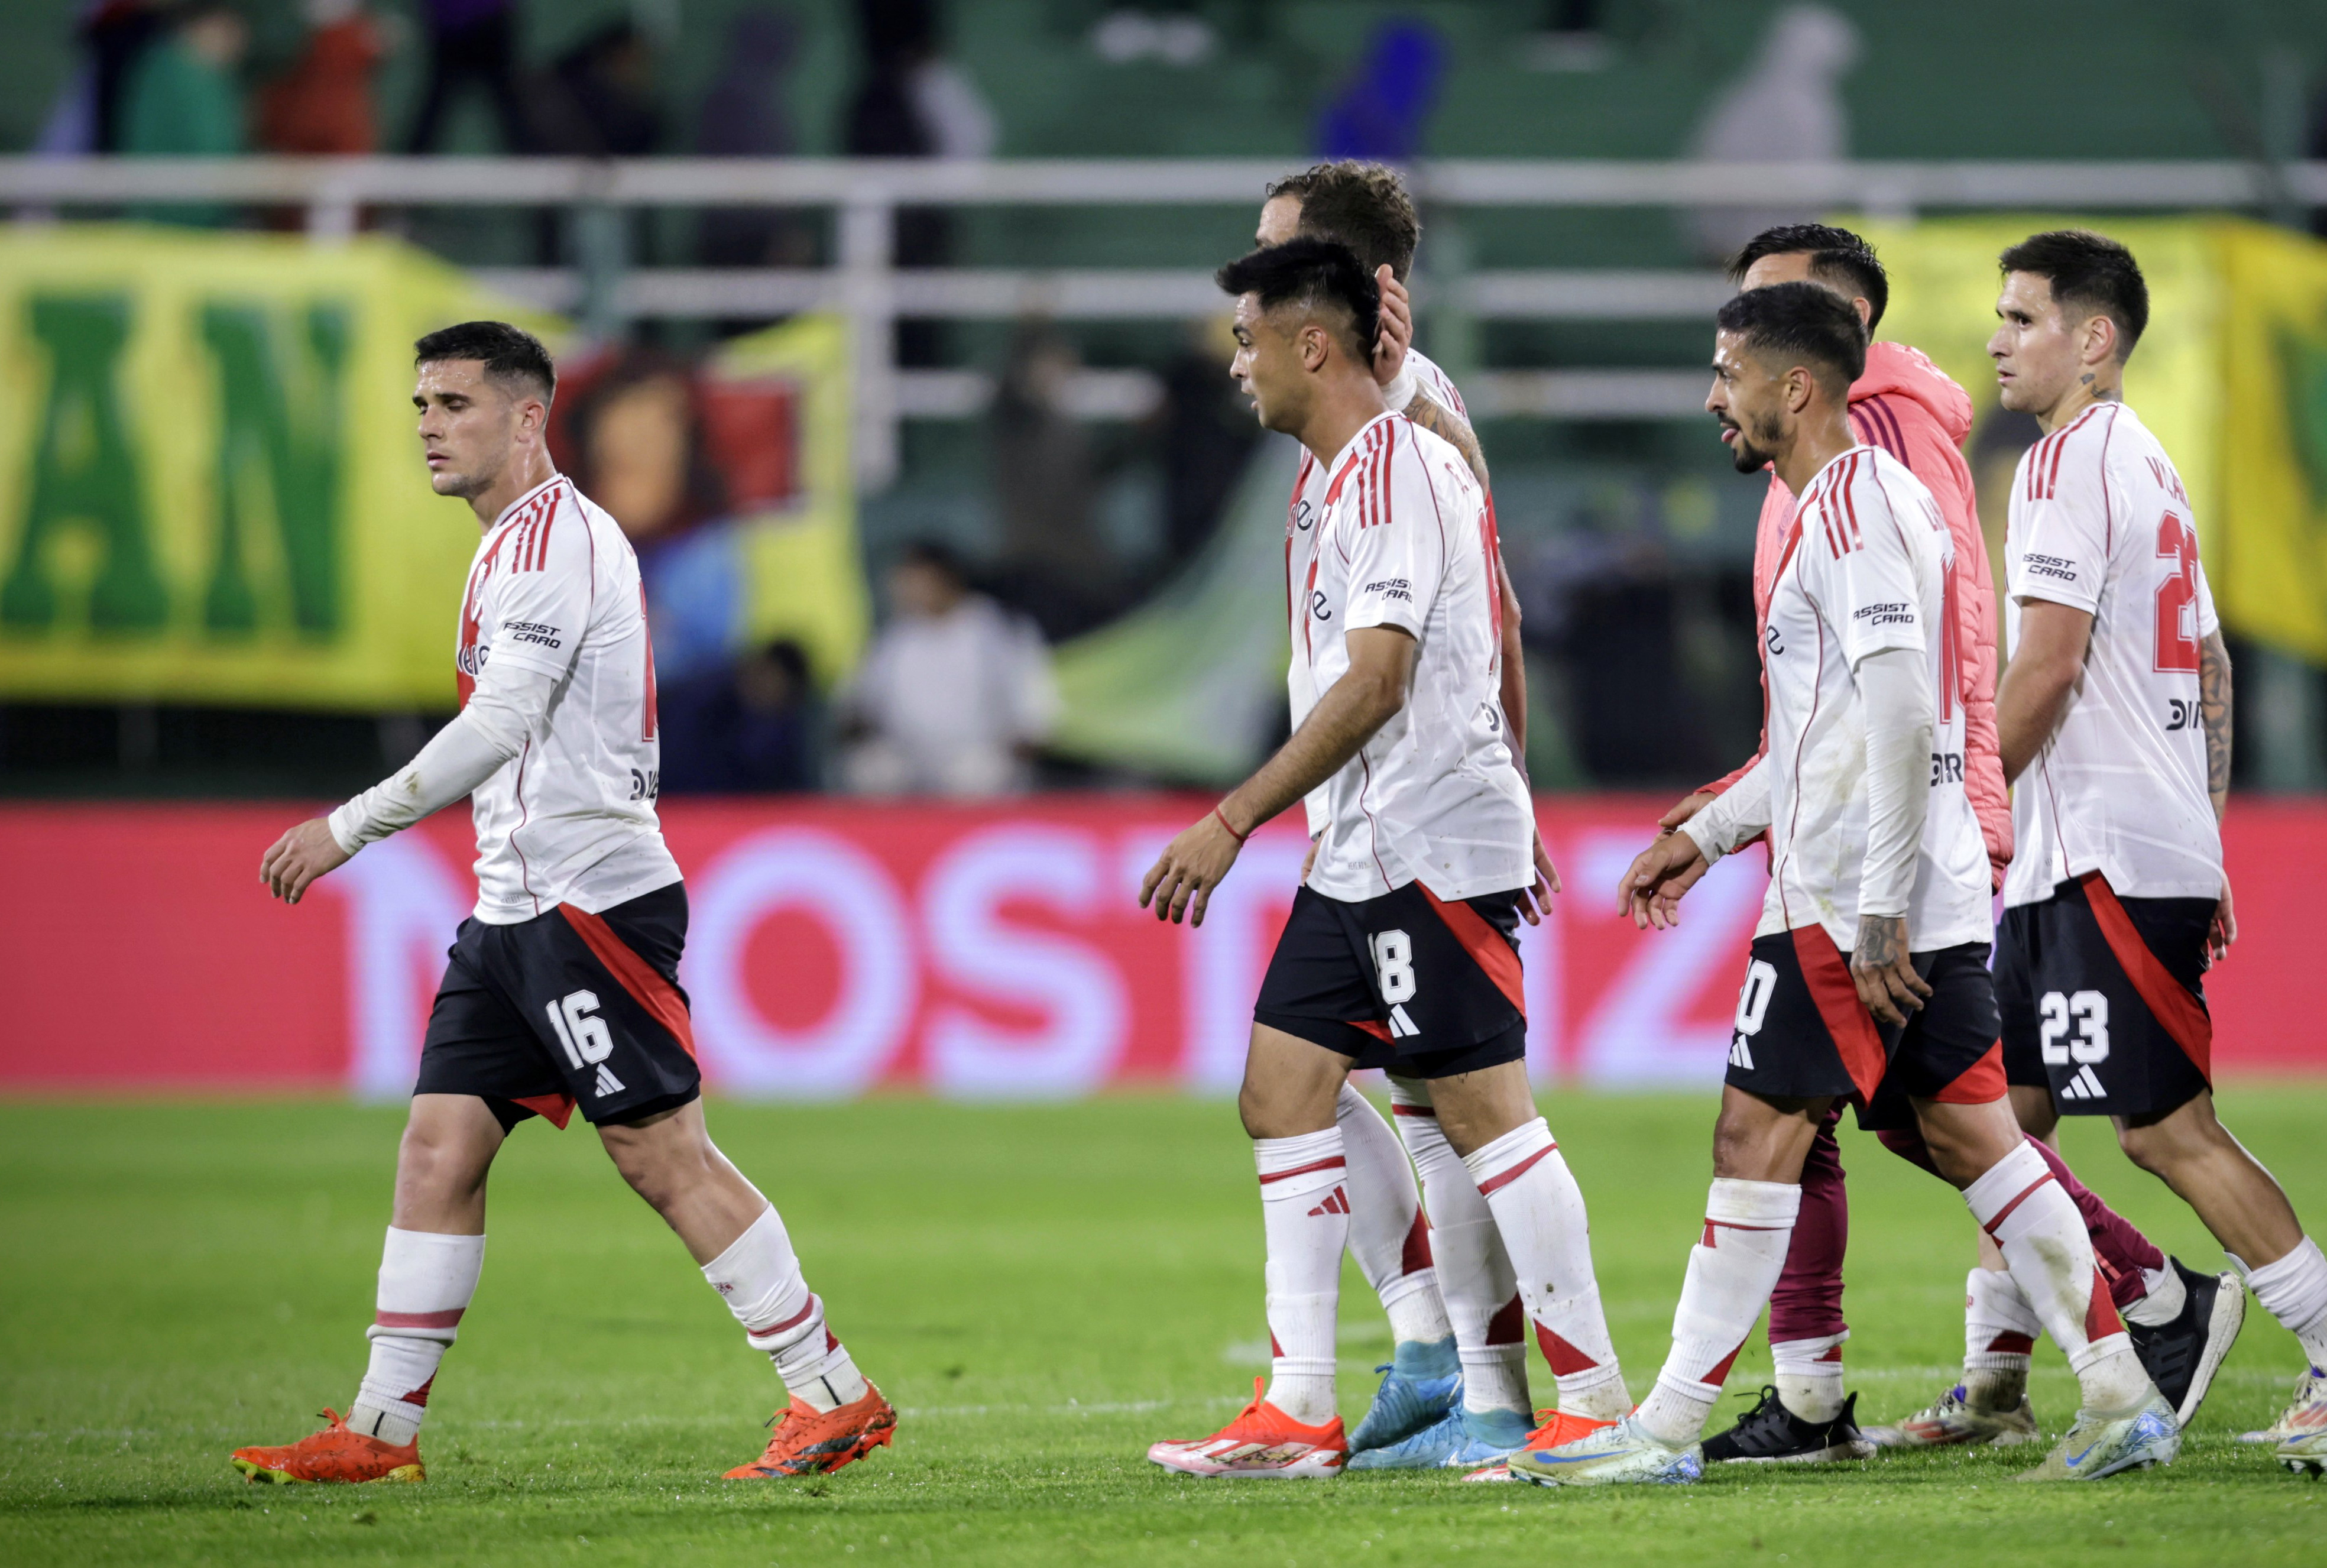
(587, 1041)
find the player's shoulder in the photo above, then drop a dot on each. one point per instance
(1893, 480)
(1436, 381)
(2097, 445)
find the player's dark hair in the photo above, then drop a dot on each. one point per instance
(1317, 275)
(1364, 206)
(2091, 274)
(512, 356)
(1805, 324)
(1838, 258)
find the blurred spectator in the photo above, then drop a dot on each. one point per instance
(323, 105)
(86, 116)
(914, 104)
(1787, 108)
(746, 731)
(471, 44)
(598, 98)
(1386, 107)
(954, 696)
(746, 114)
(181, 99)
(1205, 431)
(1055, 566)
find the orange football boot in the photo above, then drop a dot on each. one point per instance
(809, 1442)
(333, 1454)
(1261, 1441)
(1559, 1427)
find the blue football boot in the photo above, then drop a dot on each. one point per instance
(1420, 1388)
(1464, 1440)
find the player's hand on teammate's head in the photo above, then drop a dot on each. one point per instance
(1535, 901)
(1396, 327)
(1883, 971)
(1658, 875)
(1180, 881)
(297, 858)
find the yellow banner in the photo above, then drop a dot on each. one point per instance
(803, 576)
(210, 486)
(2269, 576)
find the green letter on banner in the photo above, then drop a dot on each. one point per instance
(85, 475)
(295, 440)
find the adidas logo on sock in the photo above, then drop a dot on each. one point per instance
(1336, 1202)
(2083, 1084)
(608, 1084)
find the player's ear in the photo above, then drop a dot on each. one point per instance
(1314, 343)
(2101, 338)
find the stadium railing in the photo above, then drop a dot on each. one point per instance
(865, 286)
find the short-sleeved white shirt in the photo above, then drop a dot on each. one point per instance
(1308, 505)
(1403, 540)
(1868, 565)
(554, 587)
(2099, 522)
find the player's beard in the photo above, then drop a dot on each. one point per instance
(1755, 452)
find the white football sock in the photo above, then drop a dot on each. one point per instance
(2038, 1228)
(1732, 1271)
(1474, 1273)
(2293, 1289)
(2164, 1295)
(1809, 1375)
(1539, 1211)
(426, 1282)
(1389, 1238)
(1305, 1207)
(2000, 1330)
(758, 1278)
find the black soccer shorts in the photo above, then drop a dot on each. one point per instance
(1404, 981)
(2103, 1001)
(1802, 1032)
(567, 1008)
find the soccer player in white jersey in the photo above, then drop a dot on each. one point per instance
(2115, 718)
(1868, 976)
(1456, 1392)
(562, 989)
(1398, 951)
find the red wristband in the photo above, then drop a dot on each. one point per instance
(1239, 837)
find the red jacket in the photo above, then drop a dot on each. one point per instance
(1908, 407)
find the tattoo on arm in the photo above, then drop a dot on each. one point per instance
(1450, 427)
(2214, 707)
(1882, 940)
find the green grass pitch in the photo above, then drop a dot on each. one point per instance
(1042, 1290)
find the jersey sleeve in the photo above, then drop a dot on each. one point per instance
(542, 600)
(1399, 549)
(2064, 556)
(1862, 571)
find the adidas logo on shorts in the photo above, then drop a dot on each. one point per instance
(2083, 1086)
(608, 1084)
